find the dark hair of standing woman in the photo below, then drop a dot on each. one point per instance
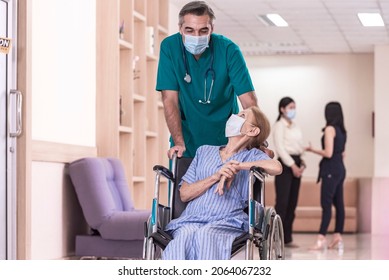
(285, 101)
(334, 115)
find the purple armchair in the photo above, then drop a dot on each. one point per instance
(103, 193)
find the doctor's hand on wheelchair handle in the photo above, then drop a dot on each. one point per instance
(179, 149)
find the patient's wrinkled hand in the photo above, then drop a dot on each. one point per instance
(229, 169)
(227, 173)
(224, 182)
(267, 151)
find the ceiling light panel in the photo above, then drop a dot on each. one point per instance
(371, 19)
(277, 20)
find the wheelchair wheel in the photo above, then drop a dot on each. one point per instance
(272, 247)
(277, 240)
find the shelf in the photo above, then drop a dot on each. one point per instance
(138, 179)
(151, 134)
(139, 17)
(125, 129)
(130, 117)
(139, 98)
(163, 30)
(151, 57)
(125, 45)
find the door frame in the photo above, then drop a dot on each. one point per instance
(24, 155)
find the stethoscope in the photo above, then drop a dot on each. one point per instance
(210, 71)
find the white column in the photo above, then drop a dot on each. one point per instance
(380, 188)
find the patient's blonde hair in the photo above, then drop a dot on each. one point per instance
(261, 121)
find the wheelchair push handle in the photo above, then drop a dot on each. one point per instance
(164, 171)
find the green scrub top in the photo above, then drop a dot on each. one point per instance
(204, 124)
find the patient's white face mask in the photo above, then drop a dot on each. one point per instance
(234, 125)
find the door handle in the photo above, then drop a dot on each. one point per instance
(15, 109)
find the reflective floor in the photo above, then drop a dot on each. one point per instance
(356, 247)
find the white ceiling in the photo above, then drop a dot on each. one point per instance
(315, 26)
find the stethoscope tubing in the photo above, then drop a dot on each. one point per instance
(210, 71)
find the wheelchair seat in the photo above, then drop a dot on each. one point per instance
(156, 239)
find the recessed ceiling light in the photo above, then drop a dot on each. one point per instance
(371, 19)
(273, 20)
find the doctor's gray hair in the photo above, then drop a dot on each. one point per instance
(198, 8)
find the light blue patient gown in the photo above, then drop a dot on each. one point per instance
(210, 223)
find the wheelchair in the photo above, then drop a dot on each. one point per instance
(265, 225)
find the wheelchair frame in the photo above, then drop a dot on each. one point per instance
(265, 227)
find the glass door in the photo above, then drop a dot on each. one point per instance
(3, 135)
(10, 115)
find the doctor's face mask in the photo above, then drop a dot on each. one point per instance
(196, 44)
(196, 32)
(234, 125)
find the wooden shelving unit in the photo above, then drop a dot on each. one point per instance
(130, 119)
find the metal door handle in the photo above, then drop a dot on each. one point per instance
(18, 113)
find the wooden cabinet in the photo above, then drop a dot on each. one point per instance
(130, 120)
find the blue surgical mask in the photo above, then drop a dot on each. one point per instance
(234, 126)
(196, 44)
(290, 114)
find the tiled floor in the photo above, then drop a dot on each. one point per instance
(356, 247)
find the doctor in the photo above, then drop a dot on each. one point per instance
(200, 76)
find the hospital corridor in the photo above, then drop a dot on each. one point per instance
(96, 95)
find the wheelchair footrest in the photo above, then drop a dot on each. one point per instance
(239, 242)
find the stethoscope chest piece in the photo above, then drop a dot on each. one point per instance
(187, 78)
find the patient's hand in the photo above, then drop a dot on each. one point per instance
(267, 151)
(224, 182)
(227, 173)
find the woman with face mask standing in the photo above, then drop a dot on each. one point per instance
(201, 76)
(332, 173)
(288, 143)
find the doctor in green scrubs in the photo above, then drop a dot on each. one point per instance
(201, 76)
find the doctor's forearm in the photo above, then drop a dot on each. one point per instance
(248, 99)
(173, 120)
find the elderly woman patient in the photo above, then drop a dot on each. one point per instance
(216, 186)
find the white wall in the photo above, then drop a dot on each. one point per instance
(64, 71)
(380, 190)
(381, 104)
(56, 214)
(63, 111)
(312, 81)
(173, 19)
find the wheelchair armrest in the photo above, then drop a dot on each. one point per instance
(259, 172)
(257, 169)
(164, 171)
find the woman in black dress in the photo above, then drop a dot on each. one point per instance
(332, 174)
